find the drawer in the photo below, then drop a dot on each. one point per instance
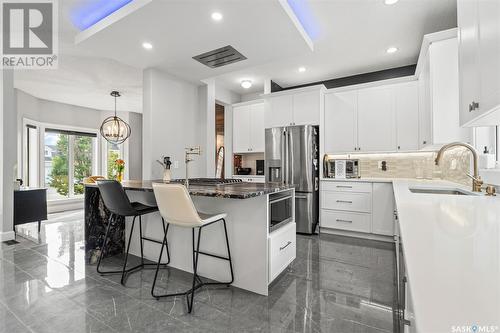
(346, 186)
(282, 249)
(351, 221)
(354, 202)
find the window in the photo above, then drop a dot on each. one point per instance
(69, 159)
(113, 152)
(31, 156)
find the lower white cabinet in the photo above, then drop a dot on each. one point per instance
(251, 179)
(383, 209)
(282, 249)
(351, 221)
(361, 207)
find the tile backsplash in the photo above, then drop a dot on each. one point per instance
(454, 167)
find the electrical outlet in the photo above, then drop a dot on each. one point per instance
(176, 164)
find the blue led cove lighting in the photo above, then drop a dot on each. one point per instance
(304, 14)
(87, 15)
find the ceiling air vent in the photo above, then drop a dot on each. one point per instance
(217, 58)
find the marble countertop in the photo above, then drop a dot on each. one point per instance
(240, 190)
(451, 245)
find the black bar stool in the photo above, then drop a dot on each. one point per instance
(178, 209)
(117, 202)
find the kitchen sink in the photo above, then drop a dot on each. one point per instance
(449, 191)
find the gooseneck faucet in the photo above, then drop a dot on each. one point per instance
(188, 152)
(476, 179)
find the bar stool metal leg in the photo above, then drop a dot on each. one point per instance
(103, 246)
(195, 271)
(126, 254)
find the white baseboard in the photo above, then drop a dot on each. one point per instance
(356, 234)
(8, 235)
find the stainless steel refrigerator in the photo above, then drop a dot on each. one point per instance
(291, 157)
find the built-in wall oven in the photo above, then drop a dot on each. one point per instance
(281, 209)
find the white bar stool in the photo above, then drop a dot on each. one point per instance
(177, 208)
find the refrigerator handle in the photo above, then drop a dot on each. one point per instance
(285, 159)
(282, 155)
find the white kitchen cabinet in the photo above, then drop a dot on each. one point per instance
(306, 106)
(248, 128)
(383, 209)
(241, 129)
(376, 119)
(294, 107)
(424, 103)
(282, 249)
(407, 116)
(340, 125)
(279, 111)
(479, 60)
(257, 130)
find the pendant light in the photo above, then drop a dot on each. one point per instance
(114, 129)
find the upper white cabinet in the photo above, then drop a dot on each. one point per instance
(297, 107)
(248, 128)
(306, 107)
(407, 107)
(479, 61)
(376, 119)
(439, 91)
(279, 111)
(340, 128)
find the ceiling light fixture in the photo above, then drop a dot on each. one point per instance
(216, 16)
(246, 84)
(302, 69)
(392, 49)
(114, 129)
(147, 45)
(390, 2)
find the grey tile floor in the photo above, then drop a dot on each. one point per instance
(336, 284)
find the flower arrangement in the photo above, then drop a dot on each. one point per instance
(120, 167)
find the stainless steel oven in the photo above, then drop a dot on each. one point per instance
(281, 209)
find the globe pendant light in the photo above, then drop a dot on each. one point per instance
(114, 129)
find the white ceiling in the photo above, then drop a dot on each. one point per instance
(354, 35)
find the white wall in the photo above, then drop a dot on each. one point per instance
(9, 155)
(1, 155)
(69, 115)
(172, 120)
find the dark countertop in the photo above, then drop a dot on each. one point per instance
(241, 190)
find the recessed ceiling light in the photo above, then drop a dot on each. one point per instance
(390, 2)
(392, 49)
(147, 45)
(246, 84)
(216, 16)
(302, 69)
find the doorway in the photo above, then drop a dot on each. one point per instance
(219, 141)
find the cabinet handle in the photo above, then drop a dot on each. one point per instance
(344, 201)
(424, 142)
(399, 147)
(355, 148)
(473, 106)
(284, 247)
(346, 221)
(343, 186)
(359, 148)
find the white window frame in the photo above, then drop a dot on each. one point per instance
(41, 127)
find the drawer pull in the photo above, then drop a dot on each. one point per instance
(284, 247)
(343, 186)
(344, 201)
(346, 221)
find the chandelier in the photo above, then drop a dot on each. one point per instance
(114, 129)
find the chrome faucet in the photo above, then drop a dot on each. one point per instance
(188, 152)
(476, 179)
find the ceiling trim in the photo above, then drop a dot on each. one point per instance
(289, 11)
(110, 19)
(428, 40)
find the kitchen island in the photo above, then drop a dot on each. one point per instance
(258, 255)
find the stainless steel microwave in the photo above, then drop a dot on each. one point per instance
(340, 168)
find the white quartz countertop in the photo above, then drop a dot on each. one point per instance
(365, 180)
(451, 245)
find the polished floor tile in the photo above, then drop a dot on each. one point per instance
(336, 284)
